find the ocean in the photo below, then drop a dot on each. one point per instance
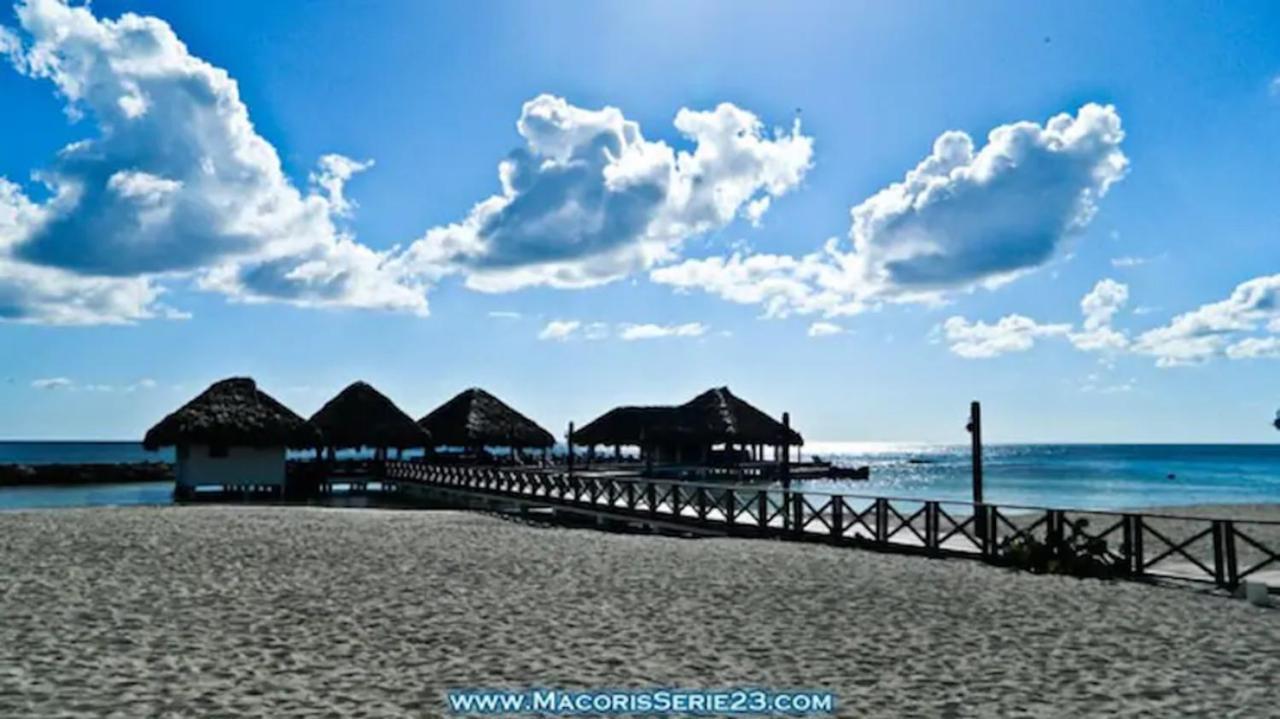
(1083, 476)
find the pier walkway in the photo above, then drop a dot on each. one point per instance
(1219, 552)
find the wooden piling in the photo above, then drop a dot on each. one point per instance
(569, 440)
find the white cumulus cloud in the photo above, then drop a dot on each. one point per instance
(824, 329)
(1245, 325)
(559, 330)
(1206, 332)
(563, 330)
(964, 217)
(587, 199)
(1255, 348)
(651, 331)
(175, 183)
(1013, 333)
(1099, 307)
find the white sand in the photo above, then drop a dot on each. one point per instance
(203, 611)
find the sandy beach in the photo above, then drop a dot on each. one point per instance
(209, 611)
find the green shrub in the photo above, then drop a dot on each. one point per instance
(1075, 554)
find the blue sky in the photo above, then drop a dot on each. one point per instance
(1066, 212)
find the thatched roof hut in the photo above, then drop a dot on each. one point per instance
(716, 416)
(720, 416)
(475, 418)
(361, 416)
(629, 425)
(233, 412)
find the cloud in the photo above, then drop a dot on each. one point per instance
(824, 329)
(1103, 302)
(1013, 333)
(332, 174)
(1255, 348)
(1273, 87)
(564, 330)
(1206, 332)
(587, 199)
(176, 186)
(1017, 333)
(1245, 325)
(963, 218)
(559, 330)
(783, 285)
(1123, 262)
(175, 183)
(66, 383)
(1099, 307)
(505, 315)
(631, 332)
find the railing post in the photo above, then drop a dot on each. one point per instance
(931, 526)
(993, 522)
(1053, 532)
(1127, 530)
(837, 517)
(568, 438)
(980, 523)
(1139, 554)
(1219, 559)
(701, 494)
(651, 492)
(631, 496)
(882, 521)
(1229, 542)
(675, 500)
(731, 511)
(762, 509)
(797, 509)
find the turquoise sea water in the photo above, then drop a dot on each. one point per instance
(1064, 475)
(1056, 475)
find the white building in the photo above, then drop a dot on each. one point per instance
(232, 436)
(206, 465)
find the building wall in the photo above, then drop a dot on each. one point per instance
(240, 466)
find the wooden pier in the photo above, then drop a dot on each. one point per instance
(1219, 552)
(1223, 553)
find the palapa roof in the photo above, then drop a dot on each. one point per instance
(233, 412)
(628, 425)
(475, 418)
(361, 416)
(716, 416)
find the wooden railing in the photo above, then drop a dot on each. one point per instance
(1218, 551)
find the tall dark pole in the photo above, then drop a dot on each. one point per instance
(787, 501)
(569, 439)
(975, 434)
(786, 450)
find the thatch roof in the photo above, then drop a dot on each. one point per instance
(361, 416)
(233, 412)
(722, 416)
(716, 416)
(629, 425)
(475, 418)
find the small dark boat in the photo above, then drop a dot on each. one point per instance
(850, 472)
